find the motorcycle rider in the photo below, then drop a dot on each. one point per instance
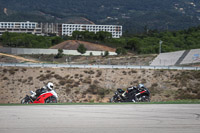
(44, 89)
(141, 87)
(131, 91)
(128, 94)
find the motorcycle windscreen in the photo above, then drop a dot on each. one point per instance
(42, 98)
(120, 90)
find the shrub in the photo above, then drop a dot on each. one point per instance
(81, 49)
(68, 90)
(91, 54)
(87, 80)
(11, 71)
(124, 72)
(30, 78)
(41, 77)
(49, 76)
(106, 53)
(24, 81)
(5, 70)
(120, 51)
(5, 78)
(59, 54)
(48, 71)
(69, 81)
(95, 81)
(89, 72)
(99, 73)
(58, 77)
(62, 82)
(133, 71)
(96, 90)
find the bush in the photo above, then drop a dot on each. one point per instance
(106, 53)
(96, 90)
(59, 54)
(120, 51)
(81, 49)
(99, 73)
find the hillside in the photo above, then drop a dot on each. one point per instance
(73, 45)
(97, 85)
(134, 15)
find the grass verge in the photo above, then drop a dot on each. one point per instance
(197, 101)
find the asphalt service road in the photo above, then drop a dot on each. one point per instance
(119, 118)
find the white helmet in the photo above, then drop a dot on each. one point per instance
(50, 86)
(140, 86)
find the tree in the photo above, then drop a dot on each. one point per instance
(59, 54)
(133, 44)
(103, 35)
(106, 53)
(56, 40)
(81, 49)
(120, 51)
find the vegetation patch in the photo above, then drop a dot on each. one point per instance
(96, 90)
(99, 73)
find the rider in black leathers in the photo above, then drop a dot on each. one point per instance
(131, 91)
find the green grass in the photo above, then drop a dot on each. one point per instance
(197, 101)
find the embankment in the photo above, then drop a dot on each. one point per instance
(97, 85)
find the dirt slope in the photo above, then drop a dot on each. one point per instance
(73, 45)
(16, 59)
(97, 85)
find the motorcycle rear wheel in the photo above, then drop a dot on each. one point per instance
(51, 100)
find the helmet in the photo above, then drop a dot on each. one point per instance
(140, 86)
(50, 86)
(129, 88)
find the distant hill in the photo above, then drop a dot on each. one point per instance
(73, 45)
(134, 15)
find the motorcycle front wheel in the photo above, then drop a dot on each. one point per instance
(145, 98)
(114, 99)
(25, 101)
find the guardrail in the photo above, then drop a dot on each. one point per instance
(97, 66)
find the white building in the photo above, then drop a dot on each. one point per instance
(20, 27)
(115, 30)
(58, 29)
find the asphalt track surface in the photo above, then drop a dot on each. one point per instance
(131, 118)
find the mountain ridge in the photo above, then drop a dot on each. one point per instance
(134, 15)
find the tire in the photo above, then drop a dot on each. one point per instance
(51, 100)
(25, 101)
(145, 98)
(112, 100)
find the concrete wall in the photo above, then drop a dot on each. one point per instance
(192, 57)
(48, 51)
(167, 59)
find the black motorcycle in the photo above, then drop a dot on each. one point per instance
(134, 95)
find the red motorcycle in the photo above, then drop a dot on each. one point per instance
(46, 97)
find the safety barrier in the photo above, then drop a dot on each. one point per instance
(97, 66)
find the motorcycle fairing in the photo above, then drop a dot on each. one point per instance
(43, 97)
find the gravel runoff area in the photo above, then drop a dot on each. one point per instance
(151, 118)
